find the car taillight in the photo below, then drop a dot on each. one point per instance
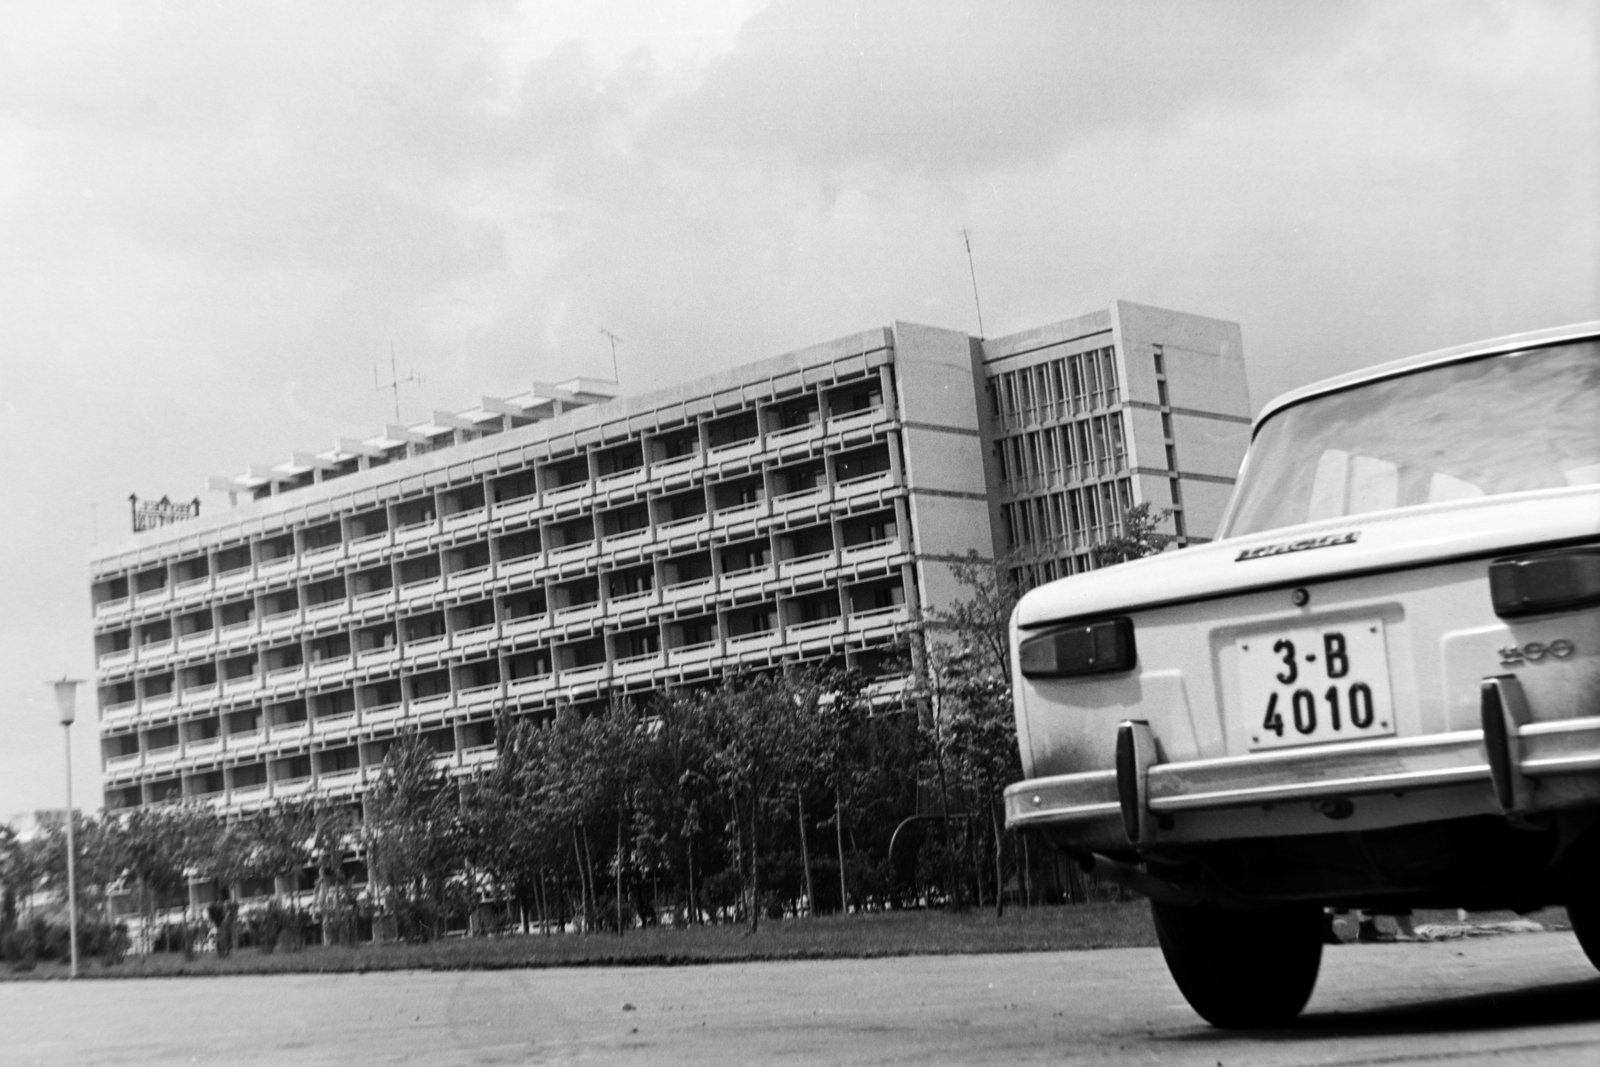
(1088, 648)
(1544, 582)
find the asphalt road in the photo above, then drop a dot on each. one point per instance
(1529, 998)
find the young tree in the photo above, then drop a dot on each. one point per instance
(410, 837)
(1138, 535)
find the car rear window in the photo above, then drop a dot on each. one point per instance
(1484, 427)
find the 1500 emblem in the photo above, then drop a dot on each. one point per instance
(1534, 651)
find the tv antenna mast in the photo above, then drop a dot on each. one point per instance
(615, 341)
(395, 381)
(973, 271)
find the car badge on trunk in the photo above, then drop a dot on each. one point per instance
(1283, 547)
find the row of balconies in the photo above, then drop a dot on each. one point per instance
(480, 657)
(531, 492)
(583, 542)
(463, 567)
(527, 586)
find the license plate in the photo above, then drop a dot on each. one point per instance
(1316, 685)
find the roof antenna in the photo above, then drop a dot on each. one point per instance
(973, 271)
(615, 340)
(395, 381)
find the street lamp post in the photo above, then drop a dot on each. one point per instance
(67, 705)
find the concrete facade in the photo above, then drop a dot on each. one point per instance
(567, 546)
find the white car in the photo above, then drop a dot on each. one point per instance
(1378, 689)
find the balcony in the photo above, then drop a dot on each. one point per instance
(243, 684)
(668, 468)
(153, 596)
(699, 653)
(479, 756)
(152, 705)
(193, 586)
(749, 576)
(468, 579)
(633, 601)
(527, 624)
(377, 716)
(426, 646)
(291, 787)
(431, 705)
(670, 531)
(280, 621)
(316, 557)
(641, 664)
(271, 568)
(620, 482)
(815, 563)
(854, 421)
(465, 520)
(865, 484)
(870, 550)
(747, 643)
(122, 763)
(427, 587)
(673, 594)
(522, 566)
(160, 757)
(581, 675)
(809, 631)
(576, 614)
(554, 498)
(349, 779)
(743, 513)
(370, 545)
(326, 610)
(735, 451)
(530, 686)
(564, 557)
(285, 676)
(198, 639)
(623, 541)
(877, 618)
(195, 749)
(798, 435)
(476, 637)
(803, 498)
(111, 607)
(519, 507)
(478, 696)
(290, 731)
(114, 659)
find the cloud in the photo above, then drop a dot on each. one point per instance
(952, 86)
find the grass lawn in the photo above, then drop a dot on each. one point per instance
(905, 933)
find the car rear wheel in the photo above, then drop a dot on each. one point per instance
(1242, 969)
(1585, 917)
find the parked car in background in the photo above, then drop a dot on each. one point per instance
(1378, 689)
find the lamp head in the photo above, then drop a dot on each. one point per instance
(67, 699)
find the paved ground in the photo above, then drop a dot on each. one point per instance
(1529, 998)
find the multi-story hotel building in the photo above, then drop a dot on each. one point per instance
(571, 546)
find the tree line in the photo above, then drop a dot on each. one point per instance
(792, 791)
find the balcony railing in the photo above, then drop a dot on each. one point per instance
(681, 465)
(854, 421)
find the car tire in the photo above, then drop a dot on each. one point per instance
(1584, 914)
(1242, 970)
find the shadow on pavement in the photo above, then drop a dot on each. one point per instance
(1546, 1005)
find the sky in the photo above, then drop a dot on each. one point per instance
(218, 221)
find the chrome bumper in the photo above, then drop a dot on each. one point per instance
(1515, 761)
